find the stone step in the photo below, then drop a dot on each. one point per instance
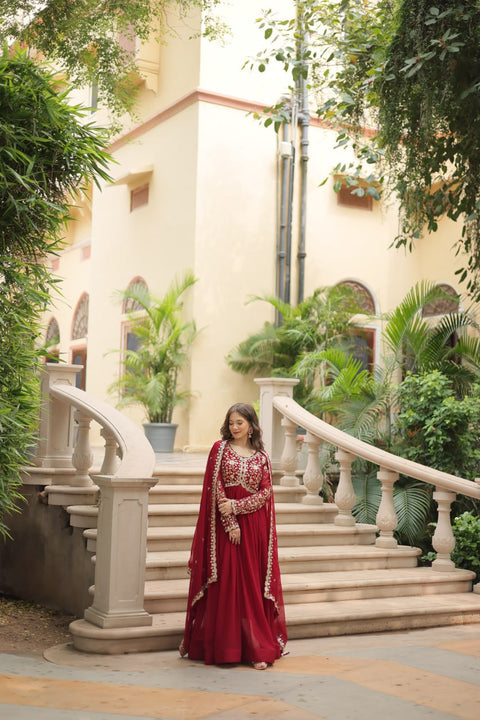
(305, 620)
(171, 595)
(162, 494)
(83, 516)
(164, 502)
(191, 471)
(179, 475)
(170, 537)
(184, 514)
(172, 564)
(350, 557)
(180, 538)
(167, 565)
(349, 617)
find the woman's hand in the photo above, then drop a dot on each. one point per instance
(225, 506)
(234, 536)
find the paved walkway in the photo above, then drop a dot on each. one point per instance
(429, 674)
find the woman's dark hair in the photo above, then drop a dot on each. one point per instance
(248, 412)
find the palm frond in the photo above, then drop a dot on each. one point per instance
(469, 349)
(404, 319)
(285, 309)
(368, 493)
(257, 352)
(412, 502)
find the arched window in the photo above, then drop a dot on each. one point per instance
(444, 305)
(363, 296)
(79, 334)
(52, 341)
(129, 340)
(52, 336)
(362, 338)
(130, 304)
(80, 319)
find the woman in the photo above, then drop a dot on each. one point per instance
(235, 609)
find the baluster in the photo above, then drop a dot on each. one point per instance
(443, 540)
(110, 457)
(387, 519)
(345, 495)
(312, 478)
(82, 457)
(289, 459)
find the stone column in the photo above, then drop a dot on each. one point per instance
(120, 553)
(270, 419)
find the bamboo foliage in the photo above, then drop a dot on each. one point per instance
(48, 153)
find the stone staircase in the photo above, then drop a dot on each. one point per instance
(335, 580)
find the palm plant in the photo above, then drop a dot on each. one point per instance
(361, 404)
(150, 373)
(417, 346)
(348, 395)
(306, 329)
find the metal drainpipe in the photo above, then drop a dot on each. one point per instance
(304, 120)
(288, 259)
(282, 227)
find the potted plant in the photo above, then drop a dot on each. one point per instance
(150, 371)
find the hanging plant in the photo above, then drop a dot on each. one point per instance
(429, 120)
(400, 81)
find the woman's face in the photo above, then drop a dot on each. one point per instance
(238, 426)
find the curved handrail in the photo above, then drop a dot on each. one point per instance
(294, 412)
(136, 453)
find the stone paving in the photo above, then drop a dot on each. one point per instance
(431, 674)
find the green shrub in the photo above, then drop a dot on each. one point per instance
(466, 529)
(437, 429)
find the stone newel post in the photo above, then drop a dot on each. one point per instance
(270, 419)
(120, 554)
(55, 443)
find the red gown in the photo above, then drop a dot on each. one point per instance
(235, 610)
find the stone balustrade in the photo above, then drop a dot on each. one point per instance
(278, 410)
(64, 458)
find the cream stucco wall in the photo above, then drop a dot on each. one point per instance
(213, 187)
(235, 246)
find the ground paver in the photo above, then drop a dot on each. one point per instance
(431, 674)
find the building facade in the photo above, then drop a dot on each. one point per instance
(197, 185)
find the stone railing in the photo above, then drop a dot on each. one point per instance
(278, 410)
(62, 463)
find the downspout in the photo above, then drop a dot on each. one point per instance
(288, 259)
(284, 153)
(304, 121)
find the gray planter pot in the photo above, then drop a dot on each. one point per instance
(161, 436)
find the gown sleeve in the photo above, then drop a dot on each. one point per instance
(257, 500)
(229, 522)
